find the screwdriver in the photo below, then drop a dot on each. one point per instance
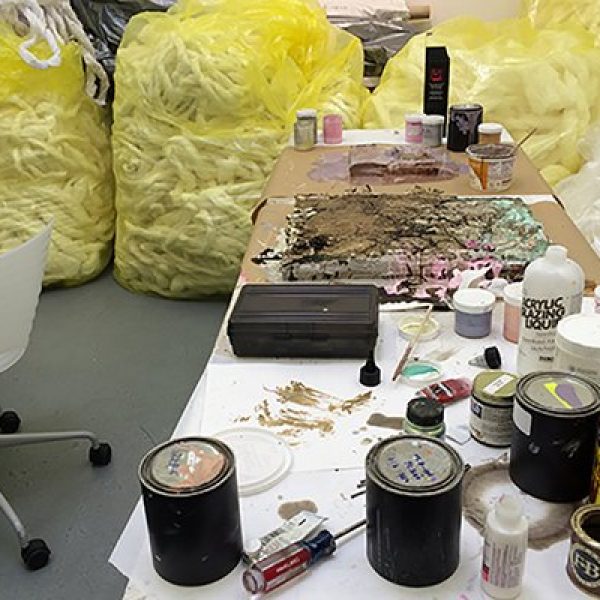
(283, 566)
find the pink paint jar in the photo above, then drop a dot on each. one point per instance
(413, 128)
(332, 129)
(513, 297)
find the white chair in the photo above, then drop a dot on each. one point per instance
(21, 272)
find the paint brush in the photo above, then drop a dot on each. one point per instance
(524, 139)
(411, 345)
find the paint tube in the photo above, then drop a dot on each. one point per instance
(299, 527)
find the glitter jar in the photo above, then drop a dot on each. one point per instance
(332, 129)
(473, 309)
(305, 129)
(425, 416)
(433, 130)
(413, 128)
(513, 298)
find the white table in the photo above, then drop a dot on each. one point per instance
(347, 573)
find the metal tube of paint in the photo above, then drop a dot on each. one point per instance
(413, 509)
(555, 421)
(192, 511)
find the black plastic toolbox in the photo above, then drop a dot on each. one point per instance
(304, 321)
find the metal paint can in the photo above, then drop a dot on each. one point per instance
(414, 500)
(463, 125)
(492, 407)
(190, 498)
(583, 563)
(555, 418)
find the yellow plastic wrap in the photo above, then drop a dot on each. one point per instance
(554, 13)
(205, 98)
(525, 78)
(54, 164)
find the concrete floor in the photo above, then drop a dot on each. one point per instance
(122, 365)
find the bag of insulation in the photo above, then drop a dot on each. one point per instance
(580, 193)
(554, 13)
(55, 163)
(525, 78)
(205, 99)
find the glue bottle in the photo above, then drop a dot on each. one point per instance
(504, 548)
(552, 290)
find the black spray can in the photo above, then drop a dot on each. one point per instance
(414, 486)
(463, 124)
(190, 497)
(555, 422)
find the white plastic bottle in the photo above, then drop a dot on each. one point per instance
(552, 289)
(504, 548)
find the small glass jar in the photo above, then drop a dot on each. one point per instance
(303, 135)
(425, 416)
(490, 133)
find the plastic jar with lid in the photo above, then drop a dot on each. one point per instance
(413, 128)
(433, 130)
(490, 133)
(473, 309)
(513, 299)
(425, 416)
(578, 345)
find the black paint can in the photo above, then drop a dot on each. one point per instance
(413, 509)
(190, 497)
(463, 123)
(555, 421)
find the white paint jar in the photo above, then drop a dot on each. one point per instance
(578, 345)
(433, 130)
(473, 312)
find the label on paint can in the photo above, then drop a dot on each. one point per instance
(491, 425)
(497, 384)
(584, 566)
(521, 419)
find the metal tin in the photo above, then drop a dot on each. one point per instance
(425, 416)
(190, 498)
(463, 124)
(555, 417)
(413, 509)
(583, 563)
(492, 407)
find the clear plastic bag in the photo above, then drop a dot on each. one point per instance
(525, 78)
(205, 98)
(580, 193)
(55, 162)
(554, 13)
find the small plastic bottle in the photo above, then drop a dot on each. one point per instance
(504, 548)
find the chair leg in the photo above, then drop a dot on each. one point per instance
(12, 516)
(100, 453)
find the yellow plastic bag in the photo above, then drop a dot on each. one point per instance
(205, 98)
(55, 162)
(554, 13)
(524, 78)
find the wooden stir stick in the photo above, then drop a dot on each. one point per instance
(411, 345)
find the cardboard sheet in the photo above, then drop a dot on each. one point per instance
(290, 177)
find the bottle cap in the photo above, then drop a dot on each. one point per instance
(370, 373)
(433, 119)
(556, 253)
(490, 359)
(509, 510)
(306, 113)
(490, 128)
(425, 412)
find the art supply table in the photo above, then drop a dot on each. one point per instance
(328, 464)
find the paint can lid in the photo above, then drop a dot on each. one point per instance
(262, 458)
(513, 294)
(495, 386)
(414, 117)
(414, 465)
(580, 334)
(469, 106)
(186, 466)
(473, 301)
(306, 113)
(425, 412)
(559, 393)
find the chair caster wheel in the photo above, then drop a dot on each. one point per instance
(101, 455)
(36, 554)
(9, 422)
